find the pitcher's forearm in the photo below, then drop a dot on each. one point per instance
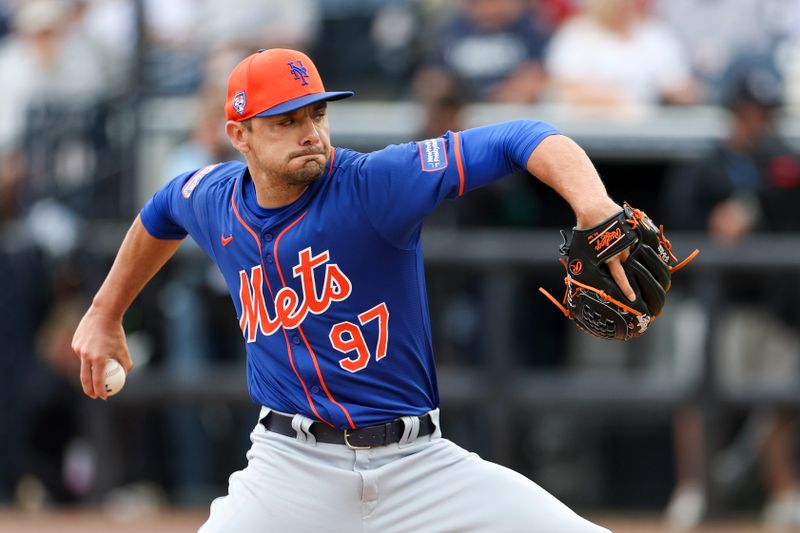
(563, 165)
(139, 258)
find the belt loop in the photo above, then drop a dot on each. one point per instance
(437, 428)
(410, 431)
(302, 425)
(260, 425)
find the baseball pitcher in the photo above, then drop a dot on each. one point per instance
(320, 248)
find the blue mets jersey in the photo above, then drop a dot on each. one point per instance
(329, 290)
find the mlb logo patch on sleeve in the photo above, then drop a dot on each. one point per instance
(432, 154)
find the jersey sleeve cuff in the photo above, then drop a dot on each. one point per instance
(527, 148)
(159, 229)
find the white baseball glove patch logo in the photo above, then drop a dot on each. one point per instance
(644, 321)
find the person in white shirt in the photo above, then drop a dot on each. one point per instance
(613, 54)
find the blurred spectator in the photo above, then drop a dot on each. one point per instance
(787, 56)
(45, 62)
(369, 45)
(110, 25)
(181, 34)
(58, 457)
(491, 47)
(750, 183)
(257, 24)
(206, 143)
(715, 33)
(615, 54)
(43, 455)
(394, 34)
(443, 114)
(5, 18)
(553, 13)
(189, 329)
(24, 297)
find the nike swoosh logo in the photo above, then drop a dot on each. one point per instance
(226, 240)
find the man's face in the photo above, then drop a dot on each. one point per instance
(293, 147)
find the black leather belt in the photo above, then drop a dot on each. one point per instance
(361, 438)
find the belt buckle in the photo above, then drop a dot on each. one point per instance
(352, 447)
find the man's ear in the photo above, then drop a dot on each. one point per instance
(237, 133)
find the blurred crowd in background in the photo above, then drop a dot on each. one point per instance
(75, 74)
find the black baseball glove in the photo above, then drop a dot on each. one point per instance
(593, 299)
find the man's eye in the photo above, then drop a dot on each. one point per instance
(287, 122)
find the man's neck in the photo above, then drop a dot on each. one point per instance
(272, 193)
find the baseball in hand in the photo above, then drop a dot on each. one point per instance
(114, 377)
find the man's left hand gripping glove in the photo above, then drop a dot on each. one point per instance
(593, 299)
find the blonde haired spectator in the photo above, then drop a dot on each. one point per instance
(614, 54)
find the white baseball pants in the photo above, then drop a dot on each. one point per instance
(427, 484)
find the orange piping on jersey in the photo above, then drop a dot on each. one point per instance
(242, 222)
(275, 247)
(333, 158)
(459, 163)
(300, 329)
(269, 287)
(322, 381)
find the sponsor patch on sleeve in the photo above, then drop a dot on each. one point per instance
(192, 182)
(432, 154)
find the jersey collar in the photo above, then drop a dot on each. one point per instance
(245, 198)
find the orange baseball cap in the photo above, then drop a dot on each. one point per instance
(272, 82)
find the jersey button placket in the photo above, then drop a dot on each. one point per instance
(267, 240)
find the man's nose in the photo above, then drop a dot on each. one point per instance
(310, 132)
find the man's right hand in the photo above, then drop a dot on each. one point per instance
(98, 338)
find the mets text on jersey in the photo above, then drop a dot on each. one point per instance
(291, 309)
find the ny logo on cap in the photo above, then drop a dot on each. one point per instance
(300, 73)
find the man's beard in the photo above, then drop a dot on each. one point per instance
(306, 175)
